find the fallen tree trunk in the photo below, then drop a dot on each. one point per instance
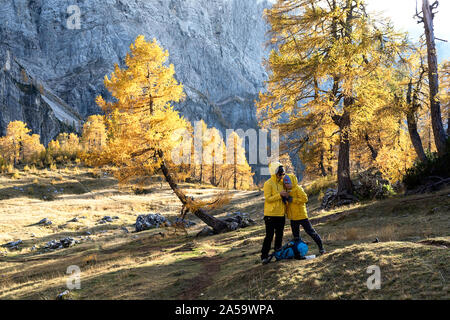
(218, 225)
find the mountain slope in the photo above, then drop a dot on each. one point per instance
(216, 46)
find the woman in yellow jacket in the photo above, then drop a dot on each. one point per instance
(274, 210)
(296, 211)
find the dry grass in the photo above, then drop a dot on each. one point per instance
(150, 265)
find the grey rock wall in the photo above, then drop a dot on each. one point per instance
(217, 47)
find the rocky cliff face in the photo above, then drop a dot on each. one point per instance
(52, 68)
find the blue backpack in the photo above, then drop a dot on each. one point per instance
(291, 249)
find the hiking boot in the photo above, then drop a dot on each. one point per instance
(265, 261)
(298, 257)
(322, 252)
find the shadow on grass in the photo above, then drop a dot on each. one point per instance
(170, 281)
(51, 191)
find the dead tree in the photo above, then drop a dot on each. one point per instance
(435, 106)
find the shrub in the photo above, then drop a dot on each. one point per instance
(422, 172)
(388, 190)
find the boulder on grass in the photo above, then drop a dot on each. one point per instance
(63, 243)
(151, 221)
(242, 220)
(63, 295)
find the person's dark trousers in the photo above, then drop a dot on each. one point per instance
(274, 225)
(295, 227)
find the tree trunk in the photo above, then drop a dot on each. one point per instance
(217, 224)
(415, 137)
(448, 119)
(448, 124)
(435, 106)
(371, 148)
(330, 159)
(345, 186)
(412, 124)
(235, 165)
(321, 167)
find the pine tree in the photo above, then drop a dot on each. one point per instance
(445, 91)
(214, 153)
(237, 165)
(433, 76)
(327, 71)
(18, 146)
(141, 122)
(93, 137)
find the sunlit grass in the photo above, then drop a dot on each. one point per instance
(162, 264)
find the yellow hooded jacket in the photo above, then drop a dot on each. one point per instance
(296, 210)
(273, 205)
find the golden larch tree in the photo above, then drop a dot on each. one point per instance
(141, 121)
(18, 146)
(327, 72)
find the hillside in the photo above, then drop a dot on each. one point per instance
(165, 263)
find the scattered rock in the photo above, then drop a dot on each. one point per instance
(331, 199)
(115, 218)
(105, 219)
(233, 226)
(371, 185)
(151, 221)
(73, 220)
(63, 243)
(13, 245)
(376, 240)
(63, 296)
(242, 220)
(367, 185)
(184, 222)
(45, 222)
(328, 198)
(88, 233)
(125, 229)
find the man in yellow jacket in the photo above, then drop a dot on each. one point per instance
(274, 209)
(296, 211)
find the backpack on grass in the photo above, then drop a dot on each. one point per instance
(291, 250)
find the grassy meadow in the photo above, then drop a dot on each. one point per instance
(171, 263)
